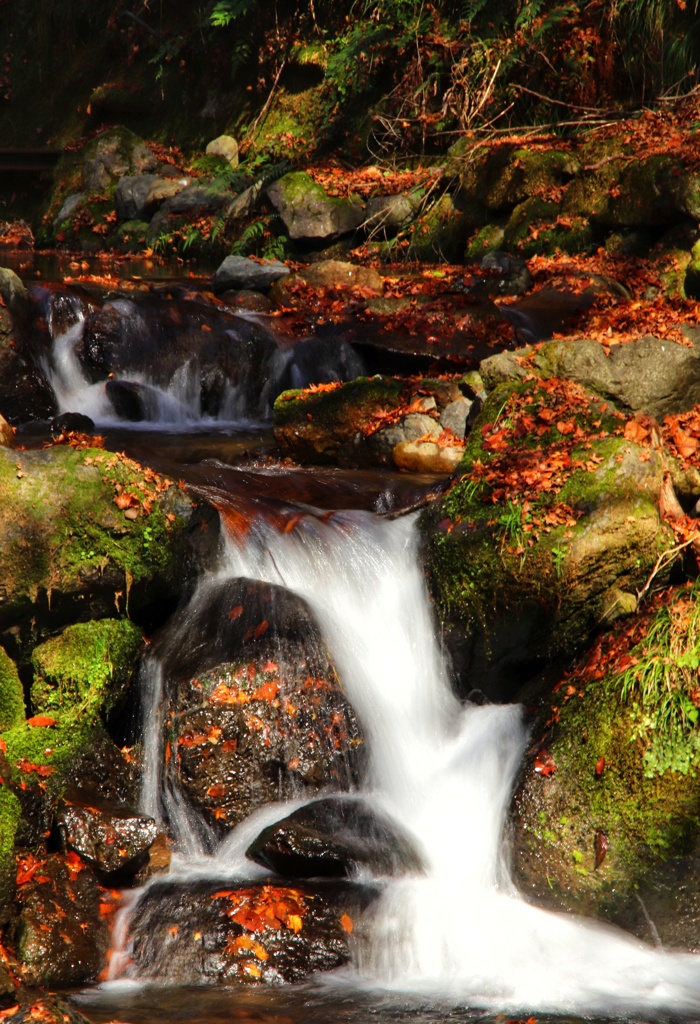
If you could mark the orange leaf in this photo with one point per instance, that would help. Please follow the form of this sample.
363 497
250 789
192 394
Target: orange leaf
346 923
294 922
236 612
216 791
41 721
600 766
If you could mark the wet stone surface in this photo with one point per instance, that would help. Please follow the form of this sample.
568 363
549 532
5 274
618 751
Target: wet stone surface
114 840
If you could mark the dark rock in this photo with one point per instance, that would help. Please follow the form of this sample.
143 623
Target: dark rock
385 216
25 392
71 422
508 275
319 361
258 711
131 196
240 272
539 315
130 400
197 199
333 838
232 932
61 937
113 839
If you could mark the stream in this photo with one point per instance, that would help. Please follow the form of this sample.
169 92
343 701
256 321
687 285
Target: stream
452 940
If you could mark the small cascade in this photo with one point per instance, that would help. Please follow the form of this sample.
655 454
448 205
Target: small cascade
175 361
444 773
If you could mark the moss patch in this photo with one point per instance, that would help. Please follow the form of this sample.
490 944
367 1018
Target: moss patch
10 812
11 693
85 665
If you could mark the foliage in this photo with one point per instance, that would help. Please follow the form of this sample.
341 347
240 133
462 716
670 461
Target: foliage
661 684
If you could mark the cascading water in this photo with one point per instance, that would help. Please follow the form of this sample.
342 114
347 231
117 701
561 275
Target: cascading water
445 773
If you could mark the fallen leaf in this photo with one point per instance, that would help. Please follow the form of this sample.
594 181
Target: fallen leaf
41 721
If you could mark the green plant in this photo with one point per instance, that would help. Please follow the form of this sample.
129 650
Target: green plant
663 688
511 524
559 553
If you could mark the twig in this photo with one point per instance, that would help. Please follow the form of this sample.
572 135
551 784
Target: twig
251 131
572 106
665 559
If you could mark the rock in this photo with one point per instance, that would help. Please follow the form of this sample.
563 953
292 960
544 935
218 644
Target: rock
454 416
348 424
591 514
539 315
427 457
655 376
309 213
334 838
613 832
11 693
196 199
259 714
66 544
252 301
241 272
112 155
224 146
438 234
508 275
385 216
131 196
45 1007
113 839
319 361
86 665
231 932
502 176
61 937
418 424
10 814
71 422
341 275
24 390
72 203
244 205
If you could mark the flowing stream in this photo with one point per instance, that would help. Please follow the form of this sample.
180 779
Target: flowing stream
445 772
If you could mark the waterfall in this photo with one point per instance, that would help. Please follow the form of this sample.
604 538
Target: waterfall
445 772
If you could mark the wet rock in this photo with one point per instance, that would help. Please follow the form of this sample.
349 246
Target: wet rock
334 838
113 839
112 155
539 315
24 390
309 213
254 302
71 422
45 1007
240 272
228 933
508 275
319 361
131 196
224 146
132 401
258 712
70 205
62 938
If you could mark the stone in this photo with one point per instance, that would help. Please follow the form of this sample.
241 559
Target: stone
244 205
241 272
341 275
136 197
427 457
418 424
224 146
25 392
508 275
309 213
62 938
72 203
233 932
196 199
335 838
247 667
385 216
113 839
455 415
114 154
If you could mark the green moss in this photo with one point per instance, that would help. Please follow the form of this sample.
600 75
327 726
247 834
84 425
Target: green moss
11 693
440 233
10 813
487 239
85 665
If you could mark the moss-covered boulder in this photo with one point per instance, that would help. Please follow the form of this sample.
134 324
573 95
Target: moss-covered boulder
10 812
441 231
347 423
85 666
502 176
606 816
11 693
554 511
85 533
309 212
536 226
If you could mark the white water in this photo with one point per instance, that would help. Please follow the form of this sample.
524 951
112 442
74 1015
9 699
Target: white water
445 772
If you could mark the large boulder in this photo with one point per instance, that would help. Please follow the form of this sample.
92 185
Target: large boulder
309 214
83 532
241 272
258 712
24 390
605 817
231 932
554 510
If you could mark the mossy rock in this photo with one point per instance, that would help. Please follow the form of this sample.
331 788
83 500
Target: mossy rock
85 666
24 390
487 239
12 711
440 233
614 830
501 177
309 213
67 549
521 557
10 812
536 227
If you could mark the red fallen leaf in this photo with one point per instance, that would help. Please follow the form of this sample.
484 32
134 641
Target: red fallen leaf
601 846
3 745
346 923
74 864
260 629
236 612
41 721
27 867
600 766
125 500
544 763
41 769
216 791
223 894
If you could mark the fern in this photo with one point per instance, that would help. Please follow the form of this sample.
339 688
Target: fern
227 11
528 14
251 236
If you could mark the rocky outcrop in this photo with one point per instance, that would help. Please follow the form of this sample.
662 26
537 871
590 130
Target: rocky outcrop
308 213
